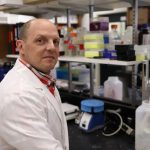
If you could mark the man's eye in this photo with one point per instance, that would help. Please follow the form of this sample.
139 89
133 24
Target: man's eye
40 41
56 42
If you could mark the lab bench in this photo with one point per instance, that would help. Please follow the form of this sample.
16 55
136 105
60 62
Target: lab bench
81 140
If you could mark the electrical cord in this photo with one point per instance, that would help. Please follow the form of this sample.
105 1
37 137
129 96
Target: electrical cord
107 131
120 125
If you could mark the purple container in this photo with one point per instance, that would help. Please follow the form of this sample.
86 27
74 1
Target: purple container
99 26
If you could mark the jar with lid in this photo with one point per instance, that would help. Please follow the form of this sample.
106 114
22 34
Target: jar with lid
72 50
81 50
66 43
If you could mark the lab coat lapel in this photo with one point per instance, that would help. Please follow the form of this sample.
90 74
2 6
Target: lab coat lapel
40 86
54 102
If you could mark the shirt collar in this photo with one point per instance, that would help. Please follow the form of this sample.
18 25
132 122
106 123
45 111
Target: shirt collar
48 80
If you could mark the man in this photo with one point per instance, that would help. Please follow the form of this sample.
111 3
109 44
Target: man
31 117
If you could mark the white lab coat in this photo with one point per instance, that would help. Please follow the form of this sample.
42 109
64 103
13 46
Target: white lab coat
31 118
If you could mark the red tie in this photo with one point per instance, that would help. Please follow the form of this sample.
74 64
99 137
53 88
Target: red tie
51 87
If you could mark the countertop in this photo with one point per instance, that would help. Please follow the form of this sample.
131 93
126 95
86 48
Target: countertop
80 140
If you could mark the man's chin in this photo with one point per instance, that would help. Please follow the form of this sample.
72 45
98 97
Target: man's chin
49 68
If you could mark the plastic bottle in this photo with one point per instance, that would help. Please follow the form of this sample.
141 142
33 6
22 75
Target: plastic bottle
114 37
114 33
113 88
127 37
142 127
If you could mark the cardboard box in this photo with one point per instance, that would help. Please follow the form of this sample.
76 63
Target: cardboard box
143 15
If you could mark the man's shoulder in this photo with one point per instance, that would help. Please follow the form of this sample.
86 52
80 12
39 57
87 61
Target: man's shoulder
15 79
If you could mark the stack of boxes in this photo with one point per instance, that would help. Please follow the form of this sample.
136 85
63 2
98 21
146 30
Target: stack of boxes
94 40
93 44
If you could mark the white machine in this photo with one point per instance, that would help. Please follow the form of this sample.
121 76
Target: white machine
70 111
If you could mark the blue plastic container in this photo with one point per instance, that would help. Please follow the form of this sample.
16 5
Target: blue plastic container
62 73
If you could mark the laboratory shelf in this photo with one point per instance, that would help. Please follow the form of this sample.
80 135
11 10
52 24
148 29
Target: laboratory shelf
88 60
98 61
13 56
92 62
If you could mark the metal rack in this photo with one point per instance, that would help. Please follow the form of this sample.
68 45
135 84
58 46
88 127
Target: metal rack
108 4
92 62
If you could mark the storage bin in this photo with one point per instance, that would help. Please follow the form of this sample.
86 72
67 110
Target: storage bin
62 73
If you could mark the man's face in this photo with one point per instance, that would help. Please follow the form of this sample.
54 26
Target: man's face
41 48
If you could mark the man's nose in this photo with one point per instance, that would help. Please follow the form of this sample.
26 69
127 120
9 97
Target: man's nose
50 45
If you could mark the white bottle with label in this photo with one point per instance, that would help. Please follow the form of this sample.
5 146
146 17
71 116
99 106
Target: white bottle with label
113 88
142 127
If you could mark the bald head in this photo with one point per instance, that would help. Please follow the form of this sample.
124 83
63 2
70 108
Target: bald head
25 28
39 44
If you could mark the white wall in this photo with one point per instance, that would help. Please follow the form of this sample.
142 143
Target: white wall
6 18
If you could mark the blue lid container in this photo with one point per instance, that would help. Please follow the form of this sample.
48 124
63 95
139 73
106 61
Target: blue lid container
92 105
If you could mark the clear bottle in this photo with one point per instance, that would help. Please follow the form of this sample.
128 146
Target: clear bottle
142 126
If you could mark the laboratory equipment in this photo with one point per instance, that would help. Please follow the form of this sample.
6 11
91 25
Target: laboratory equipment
93 115
70 111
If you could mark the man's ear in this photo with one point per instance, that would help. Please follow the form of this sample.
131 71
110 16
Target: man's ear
20 46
